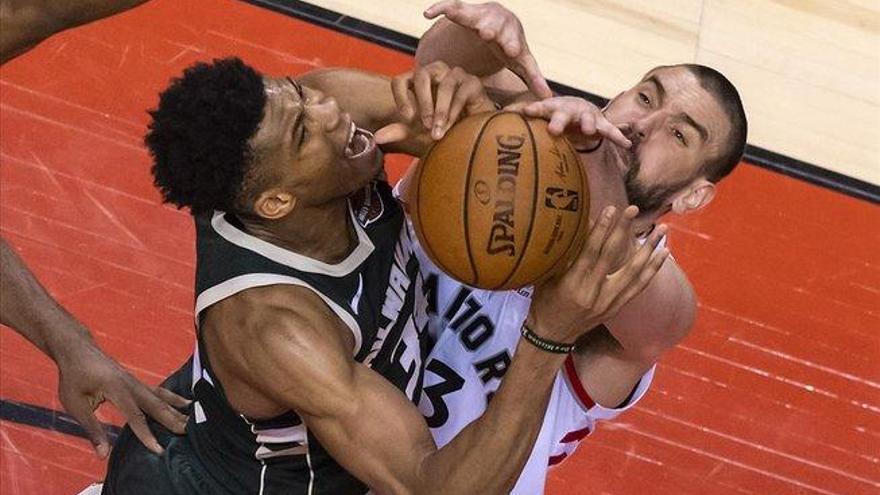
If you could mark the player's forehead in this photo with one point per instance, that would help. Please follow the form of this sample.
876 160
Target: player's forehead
682 93
283 104
674 81
282 89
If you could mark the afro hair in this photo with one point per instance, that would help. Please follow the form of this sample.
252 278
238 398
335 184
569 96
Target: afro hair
199 134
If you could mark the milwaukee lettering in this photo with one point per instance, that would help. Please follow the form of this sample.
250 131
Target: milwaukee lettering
501 238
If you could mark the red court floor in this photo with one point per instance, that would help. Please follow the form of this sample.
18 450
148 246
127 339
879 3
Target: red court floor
776 392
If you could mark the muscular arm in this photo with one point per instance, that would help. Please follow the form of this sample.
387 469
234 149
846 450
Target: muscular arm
297 354
458 46
28 308
658 318
28 22
368 97
365 95
87 375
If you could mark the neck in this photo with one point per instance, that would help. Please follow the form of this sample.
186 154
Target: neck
324 232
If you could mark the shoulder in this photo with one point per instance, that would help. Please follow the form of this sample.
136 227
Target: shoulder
281 318
283 343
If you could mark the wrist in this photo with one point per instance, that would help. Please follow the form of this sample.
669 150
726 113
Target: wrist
65 346
545 344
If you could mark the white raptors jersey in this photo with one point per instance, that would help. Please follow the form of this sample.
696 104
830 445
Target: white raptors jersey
476 333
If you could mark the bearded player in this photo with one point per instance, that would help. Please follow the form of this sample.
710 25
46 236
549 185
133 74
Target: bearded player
667 142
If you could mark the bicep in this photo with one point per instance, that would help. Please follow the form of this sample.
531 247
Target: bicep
366 424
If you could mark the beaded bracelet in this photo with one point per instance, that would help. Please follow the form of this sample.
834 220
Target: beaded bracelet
544 344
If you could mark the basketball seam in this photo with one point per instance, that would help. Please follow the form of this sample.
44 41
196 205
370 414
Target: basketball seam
426 245
537 179
467 186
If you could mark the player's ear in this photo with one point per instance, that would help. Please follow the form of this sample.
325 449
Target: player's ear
694 196
274 203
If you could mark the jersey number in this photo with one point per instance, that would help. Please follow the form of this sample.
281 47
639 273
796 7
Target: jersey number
451 383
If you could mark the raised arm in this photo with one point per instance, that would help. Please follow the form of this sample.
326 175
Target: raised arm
486 40
28 22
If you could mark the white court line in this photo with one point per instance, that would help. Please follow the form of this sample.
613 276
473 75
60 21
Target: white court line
744 319
762 448
135 125
758 371
730 461
810 364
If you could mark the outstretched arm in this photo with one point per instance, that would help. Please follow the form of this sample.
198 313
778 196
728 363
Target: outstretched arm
28 22
88 376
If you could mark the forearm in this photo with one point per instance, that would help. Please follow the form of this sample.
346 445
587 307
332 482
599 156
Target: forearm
488 455
26 307
28 22
368 98
300 357
457 46
393 451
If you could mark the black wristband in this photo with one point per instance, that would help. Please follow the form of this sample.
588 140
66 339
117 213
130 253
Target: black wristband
590 150
544 344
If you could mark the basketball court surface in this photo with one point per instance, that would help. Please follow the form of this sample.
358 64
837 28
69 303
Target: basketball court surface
777 391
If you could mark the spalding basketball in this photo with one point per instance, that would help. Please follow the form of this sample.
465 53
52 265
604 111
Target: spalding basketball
499 203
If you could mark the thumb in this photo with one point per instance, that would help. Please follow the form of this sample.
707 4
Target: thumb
82 412
438 8
391 133
517 107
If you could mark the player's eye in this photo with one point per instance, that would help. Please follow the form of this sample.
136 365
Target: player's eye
644 99
680 137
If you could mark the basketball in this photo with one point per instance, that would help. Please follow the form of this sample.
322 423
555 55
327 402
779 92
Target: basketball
499 203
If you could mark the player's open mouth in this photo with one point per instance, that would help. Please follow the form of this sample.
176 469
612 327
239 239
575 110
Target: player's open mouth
359 143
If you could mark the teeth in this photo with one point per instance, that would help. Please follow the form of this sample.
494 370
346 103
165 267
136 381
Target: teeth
359 142
349 145
351 133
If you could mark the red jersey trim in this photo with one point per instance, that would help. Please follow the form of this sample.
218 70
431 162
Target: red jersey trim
575 382
556 459
575 436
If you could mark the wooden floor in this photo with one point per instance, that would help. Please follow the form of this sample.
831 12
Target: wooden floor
808 70
776 392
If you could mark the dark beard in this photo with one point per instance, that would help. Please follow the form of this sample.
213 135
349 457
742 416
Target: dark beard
651 198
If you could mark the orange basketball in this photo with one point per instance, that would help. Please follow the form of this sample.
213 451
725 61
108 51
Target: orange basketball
499 203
